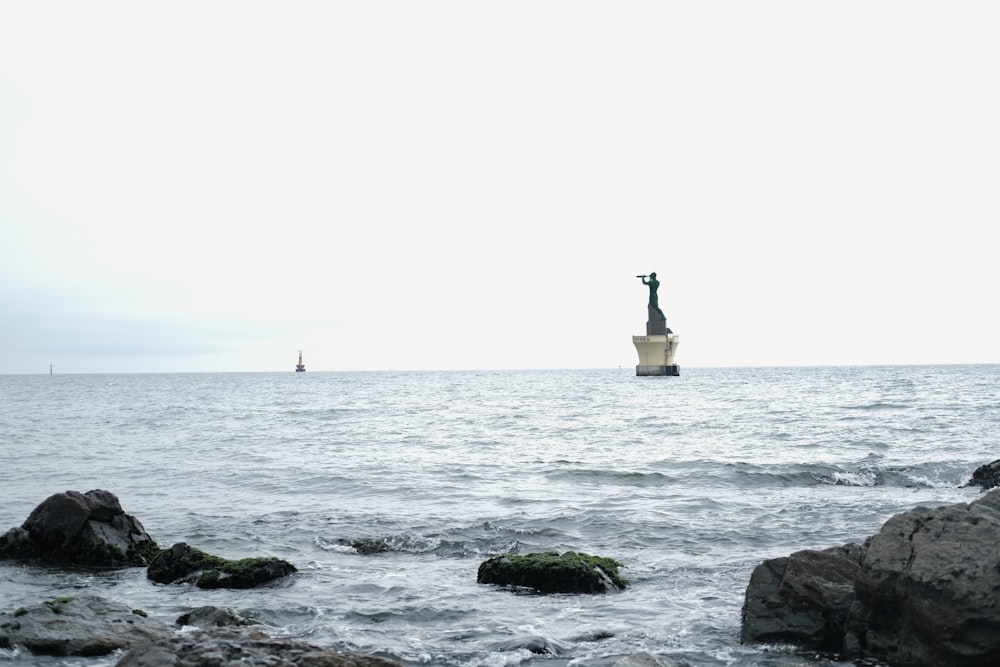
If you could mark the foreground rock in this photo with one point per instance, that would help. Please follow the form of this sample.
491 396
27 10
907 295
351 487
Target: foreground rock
81 626
928 586
185 564
249 648
802 599
76 528
89 626
549 572
925 592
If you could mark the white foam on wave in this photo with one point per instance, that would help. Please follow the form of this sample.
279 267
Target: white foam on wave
337 547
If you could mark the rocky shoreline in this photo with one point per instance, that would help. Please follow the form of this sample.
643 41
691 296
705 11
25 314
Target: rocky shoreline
921 592
92 530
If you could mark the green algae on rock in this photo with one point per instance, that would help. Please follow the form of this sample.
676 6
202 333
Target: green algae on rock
185 564
550 572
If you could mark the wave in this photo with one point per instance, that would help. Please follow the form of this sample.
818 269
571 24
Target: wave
409 542
479 540
868 472
878 405
926 475
615 477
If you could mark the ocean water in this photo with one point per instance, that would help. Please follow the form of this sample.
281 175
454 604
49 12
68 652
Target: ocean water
688 481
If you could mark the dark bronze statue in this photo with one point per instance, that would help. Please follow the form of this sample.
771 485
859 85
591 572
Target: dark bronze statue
654 300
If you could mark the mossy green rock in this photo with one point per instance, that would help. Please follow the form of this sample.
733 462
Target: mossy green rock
185 564
550 572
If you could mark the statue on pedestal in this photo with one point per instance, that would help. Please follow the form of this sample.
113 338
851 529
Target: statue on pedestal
656 349
657 323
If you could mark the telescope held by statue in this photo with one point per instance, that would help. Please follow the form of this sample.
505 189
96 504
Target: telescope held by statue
643 276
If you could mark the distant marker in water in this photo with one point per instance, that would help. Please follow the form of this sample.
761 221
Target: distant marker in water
300 367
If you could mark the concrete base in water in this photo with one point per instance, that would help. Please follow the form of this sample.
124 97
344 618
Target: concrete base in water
656 354
674 369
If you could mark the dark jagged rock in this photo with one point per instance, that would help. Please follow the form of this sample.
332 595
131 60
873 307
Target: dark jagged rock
251 648
987 476
76 528
802 599
81 626
549 572
213 617
925 592
185 564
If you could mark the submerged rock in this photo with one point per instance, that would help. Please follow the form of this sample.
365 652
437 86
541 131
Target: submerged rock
213 617
924 591
230 647
549 572
185 564
536 644
80 626
89 529
367 547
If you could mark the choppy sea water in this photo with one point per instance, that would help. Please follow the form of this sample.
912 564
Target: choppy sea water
688 481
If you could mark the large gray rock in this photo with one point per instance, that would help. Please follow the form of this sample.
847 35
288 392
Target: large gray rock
802 599
923 592
80 529
82 626
928 587
246 648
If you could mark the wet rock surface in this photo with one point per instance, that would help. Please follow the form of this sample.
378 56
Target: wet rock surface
249 648
91 626
79 626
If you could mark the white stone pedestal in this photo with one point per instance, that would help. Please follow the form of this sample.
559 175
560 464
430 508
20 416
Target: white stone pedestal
656 354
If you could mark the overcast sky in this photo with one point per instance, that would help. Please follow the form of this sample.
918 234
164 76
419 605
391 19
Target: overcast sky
212 186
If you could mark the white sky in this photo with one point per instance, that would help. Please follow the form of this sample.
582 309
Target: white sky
212 186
